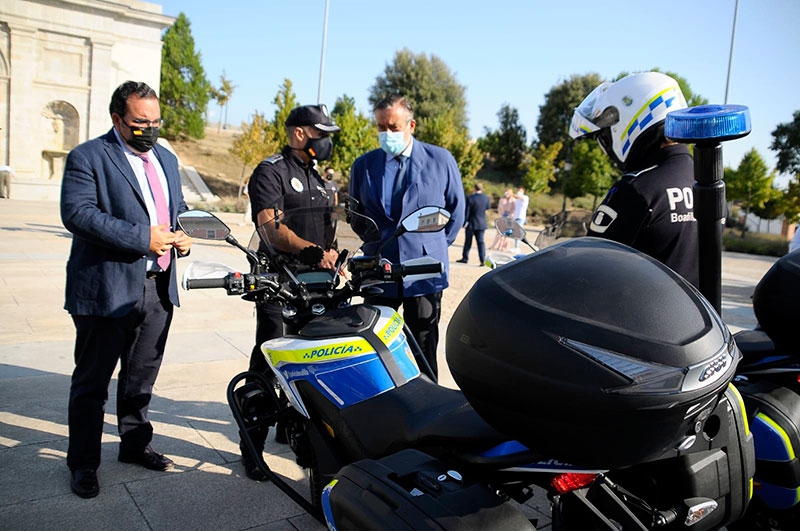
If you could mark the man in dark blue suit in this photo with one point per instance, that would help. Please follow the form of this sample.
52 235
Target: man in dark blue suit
120 198
477 205
392 182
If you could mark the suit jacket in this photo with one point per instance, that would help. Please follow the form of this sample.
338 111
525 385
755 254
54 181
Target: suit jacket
432 179
477 205
103 207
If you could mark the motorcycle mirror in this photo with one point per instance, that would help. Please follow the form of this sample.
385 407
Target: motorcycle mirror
426 219
203 225
510 228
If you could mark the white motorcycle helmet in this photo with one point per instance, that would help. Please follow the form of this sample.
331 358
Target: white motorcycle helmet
620 113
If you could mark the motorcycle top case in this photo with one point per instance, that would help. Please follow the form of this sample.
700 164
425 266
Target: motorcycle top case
348 355
775 301
591 352
410 490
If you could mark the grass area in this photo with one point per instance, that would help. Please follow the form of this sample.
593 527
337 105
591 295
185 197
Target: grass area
754 243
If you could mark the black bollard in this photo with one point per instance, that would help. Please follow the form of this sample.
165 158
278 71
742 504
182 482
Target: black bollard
707 126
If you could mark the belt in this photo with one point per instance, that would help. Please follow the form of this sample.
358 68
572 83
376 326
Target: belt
153 274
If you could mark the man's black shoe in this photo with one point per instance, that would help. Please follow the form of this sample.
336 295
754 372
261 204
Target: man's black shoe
84 482
462 261
149 459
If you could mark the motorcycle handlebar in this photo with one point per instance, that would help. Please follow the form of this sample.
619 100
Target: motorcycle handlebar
421 269
204 283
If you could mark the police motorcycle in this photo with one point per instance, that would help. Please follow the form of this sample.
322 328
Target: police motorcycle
623 413
769 379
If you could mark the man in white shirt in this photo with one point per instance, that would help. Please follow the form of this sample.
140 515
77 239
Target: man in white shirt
520 211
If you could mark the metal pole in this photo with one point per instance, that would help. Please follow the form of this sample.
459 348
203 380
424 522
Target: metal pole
730 57
322 59
709 197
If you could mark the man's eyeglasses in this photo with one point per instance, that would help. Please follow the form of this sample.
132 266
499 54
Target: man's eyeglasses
148 123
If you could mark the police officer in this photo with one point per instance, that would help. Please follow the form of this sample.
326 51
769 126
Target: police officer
651 208
282 183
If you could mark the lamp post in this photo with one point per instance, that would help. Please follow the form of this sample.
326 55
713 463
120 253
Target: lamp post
707 126
322 58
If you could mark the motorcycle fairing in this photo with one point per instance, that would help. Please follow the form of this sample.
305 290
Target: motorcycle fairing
344 367
774 445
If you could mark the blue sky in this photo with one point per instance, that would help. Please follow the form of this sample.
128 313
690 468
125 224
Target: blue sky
504 51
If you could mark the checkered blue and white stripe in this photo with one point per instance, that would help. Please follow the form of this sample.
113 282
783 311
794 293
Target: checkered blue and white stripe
655 109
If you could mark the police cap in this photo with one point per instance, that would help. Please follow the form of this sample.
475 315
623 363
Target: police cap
314 115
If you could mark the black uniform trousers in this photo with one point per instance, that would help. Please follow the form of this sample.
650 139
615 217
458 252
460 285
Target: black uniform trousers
468 234
422 315
269 325
137 340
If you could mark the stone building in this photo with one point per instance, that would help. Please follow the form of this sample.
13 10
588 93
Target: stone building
59 63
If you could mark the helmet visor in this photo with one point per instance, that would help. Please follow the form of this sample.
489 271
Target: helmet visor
594 113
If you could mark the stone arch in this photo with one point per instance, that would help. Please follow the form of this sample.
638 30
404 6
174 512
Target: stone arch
60 134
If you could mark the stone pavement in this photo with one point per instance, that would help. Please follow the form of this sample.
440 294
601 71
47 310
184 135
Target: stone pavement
209 343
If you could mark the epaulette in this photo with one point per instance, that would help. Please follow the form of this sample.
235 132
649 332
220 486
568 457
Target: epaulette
631 176
273 159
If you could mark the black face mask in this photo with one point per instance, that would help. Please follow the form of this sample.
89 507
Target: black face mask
142 138
319 148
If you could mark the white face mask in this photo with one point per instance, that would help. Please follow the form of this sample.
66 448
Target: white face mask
392 142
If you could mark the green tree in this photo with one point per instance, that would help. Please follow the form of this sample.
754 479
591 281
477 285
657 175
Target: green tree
184 87
786 142
555 114
541 169
771 209
427 83
442 131
750 183
285 100
222 95
358 135
255 143
790 201
508 144
592 172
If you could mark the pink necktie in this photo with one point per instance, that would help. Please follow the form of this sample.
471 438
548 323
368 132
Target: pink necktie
162 211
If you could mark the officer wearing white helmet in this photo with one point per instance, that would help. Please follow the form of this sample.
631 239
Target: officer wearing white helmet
651 208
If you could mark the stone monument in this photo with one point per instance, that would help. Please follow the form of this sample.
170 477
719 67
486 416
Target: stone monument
59 64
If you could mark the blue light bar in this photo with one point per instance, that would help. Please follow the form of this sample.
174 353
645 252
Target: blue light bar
708 123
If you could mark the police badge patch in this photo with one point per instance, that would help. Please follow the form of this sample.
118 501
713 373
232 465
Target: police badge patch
297 186
603 219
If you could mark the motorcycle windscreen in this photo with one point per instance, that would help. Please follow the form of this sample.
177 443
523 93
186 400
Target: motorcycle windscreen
328 227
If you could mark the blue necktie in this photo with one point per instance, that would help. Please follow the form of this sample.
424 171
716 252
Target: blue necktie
398 188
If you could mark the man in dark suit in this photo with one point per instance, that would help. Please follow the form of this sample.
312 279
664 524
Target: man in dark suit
120 198
477 205
394 181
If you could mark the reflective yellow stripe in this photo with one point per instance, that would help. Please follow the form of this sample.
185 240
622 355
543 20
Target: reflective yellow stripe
329 352
644 107
742 408
787 442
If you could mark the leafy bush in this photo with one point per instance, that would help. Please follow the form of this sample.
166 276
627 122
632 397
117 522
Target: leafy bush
754 243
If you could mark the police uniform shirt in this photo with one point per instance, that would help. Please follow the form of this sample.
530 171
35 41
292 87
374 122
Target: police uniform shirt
652 210
284 181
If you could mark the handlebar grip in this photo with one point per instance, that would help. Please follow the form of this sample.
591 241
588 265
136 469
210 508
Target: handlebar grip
422 269
203 283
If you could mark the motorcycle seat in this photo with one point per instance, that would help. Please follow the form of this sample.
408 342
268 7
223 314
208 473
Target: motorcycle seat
419 414
756 345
